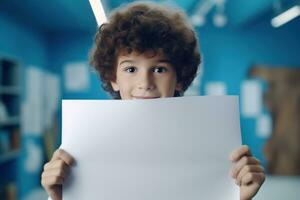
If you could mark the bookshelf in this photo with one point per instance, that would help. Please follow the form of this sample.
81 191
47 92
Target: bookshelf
10 103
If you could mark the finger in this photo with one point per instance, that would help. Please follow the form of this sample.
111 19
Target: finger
62 154
250 178
55 172
60 164
241 163
52 180
248 169
240 152
48 177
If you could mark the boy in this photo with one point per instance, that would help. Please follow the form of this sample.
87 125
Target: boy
148 51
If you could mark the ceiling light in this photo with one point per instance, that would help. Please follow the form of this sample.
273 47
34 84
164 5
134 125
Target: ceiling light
220 20
98 11
286 16
198 20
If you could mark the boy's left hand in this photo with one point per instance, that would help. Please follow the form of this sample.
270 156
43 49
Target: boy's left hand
247 172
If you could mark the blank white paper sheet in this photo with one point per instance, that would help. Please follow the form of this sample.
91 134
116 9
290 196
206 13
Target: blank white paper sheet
157 149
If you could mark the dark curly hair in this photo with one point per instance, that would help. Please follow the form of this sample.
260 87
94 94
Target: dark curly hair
141 27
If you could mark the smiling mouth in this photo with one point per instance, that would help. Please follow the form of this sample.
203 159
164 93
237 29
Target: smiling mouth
141 97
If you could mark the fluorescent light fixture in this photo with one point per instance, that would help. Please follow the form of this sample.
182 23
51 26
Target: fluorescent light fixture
205 7
286 16
98 11
219 20
198 20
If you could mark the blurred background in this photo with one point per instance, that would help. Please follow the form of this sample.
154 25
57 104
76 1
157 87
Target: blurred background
249 48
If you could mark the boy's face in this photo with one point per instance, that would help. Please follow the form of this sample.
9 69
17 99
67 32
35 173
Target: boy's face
144 76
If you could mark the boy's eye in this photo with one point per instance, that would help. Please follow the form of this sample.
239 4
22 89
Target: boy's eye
160 69
130 69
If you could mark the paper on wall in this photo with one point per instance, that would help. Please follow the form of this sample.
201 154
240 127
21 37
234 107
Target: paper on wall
264 126
77 77
251 96
41 102
52 96
32 107
215 88
33 160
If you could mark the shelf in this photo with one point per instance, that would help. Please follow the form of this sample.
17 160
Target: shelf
9 156
10 121
10 74
10 125
11 90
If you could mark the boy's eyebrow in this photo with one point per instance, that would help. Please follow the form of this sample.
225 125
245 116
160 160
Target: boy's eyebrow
132 61
164 61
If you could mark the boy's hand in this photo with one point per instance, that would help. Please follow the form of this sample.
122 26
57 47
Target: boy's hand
247 172
55 172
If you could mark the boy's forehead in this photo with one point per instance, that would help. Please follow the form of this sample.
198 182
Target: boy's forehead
148 54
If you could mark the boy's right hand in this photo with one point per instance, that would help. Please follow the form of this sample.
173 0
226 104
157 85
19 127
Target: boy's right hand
55 173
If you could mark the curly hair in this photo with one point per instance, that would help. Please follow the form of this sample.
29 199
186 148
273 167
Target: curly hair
142 27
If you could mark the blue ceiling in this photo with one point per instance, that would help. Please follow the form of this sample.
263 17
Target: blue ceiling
76 15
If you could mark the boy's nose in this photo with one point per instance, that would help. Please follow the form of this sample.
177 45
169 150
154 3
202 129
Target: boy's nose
146 82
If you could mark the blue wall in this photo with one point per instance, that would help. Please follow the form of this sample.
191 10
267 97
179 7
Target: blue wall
230 52
22 42
74 47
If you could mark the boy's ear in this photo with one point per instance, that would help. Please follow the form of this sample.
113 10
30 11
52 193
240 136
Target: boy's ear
115 86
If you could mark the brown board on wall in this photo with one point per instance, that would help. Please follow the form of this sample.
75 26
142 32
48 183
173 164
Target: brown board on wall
282 98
